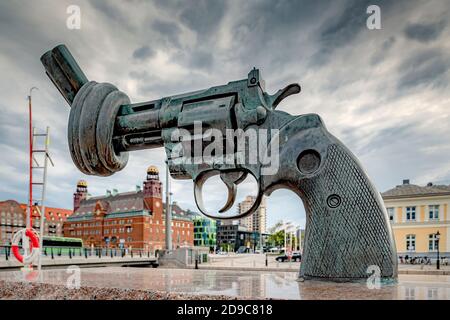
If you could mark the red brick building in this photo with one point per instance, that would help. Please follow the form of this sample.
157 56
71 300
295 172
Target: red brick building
131 219
13 217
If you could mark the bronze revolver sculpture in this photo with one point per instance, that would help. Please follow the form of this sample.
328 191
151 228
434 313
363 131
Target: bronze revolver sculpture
347 227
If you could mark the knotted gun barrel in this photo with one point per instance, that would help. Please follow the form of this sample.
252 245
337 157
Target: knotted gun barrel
103 125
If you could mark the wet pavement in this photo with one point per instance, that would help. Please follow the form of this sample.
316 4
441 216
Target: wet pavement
203 284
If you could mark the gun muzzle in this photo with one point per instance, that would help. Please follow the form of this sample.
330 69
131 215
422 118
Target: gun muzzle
64 72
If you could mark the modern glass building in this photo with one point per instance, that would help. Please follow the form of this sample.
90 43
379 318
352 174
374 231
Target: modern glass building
204 232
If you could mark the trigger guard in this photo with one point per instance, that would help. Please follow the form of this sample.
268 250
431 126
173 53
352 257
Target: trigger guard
198 197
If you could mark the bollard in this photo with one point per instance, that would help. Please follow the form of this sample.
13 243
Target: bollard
267 261
7 253
196 263
111 253
132 253
70 253
51 252
85 253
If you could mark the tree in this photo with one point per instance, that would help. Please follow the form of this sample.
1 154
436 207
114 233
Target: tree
277 238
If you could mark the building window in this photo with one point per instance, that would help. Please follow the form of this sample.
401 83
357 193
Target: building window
432 293
432 242
411 242
390 212
410 293
433 212
410 213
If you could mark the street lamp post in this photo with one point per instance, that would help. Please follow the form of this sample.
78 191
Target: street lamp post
438 264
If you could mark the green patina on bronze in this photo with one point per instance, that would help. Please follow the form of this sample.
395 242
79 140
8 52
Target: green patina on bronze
348 235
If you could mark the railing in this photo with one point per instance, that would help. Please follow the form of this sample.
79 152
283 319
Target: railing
79 252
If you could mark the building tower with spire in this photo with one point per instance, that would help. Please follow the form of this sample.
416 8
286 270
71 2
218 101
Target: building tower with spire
80 194
152 190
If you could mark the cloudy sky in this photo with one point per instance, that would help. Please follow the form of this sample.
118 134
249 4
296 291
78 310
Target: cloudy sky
384 93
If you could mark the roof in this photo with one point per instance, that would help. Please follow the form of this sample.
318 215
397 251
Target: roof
413 190
126 202
51 213
120 202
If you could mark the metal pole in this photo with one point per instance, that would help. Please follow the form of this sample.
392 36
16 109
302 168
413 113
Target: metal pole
30 187
438 263
29 224
290 240
260 241
168 212
41 227
300 240
295 240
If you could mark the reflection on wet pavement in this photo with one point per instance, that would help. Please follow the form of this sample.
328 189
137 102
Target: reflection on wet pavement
246 284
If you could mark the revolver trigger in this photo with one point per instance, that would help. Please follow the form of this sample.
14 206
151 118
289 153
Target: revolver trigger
231 197
231 179
198 187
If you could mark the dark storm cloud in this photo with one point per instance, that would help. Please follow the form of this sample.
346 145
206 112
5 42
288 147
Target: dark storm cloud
201 60
425 32
150 84
382 53
344 27
427 67
169 30
201 16
143 53
383 137
110 10
197 59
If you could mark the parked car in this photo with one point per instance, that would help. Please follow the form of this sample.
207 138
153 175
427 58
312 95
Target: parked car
296 257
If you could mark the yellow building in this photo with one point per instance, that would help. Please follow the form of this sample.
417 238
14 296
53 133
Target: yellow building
417 214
